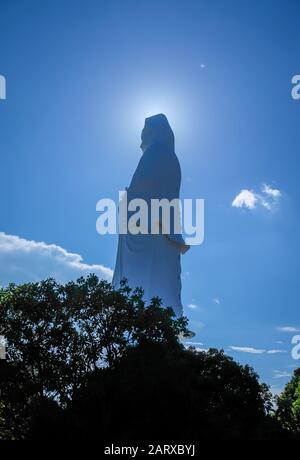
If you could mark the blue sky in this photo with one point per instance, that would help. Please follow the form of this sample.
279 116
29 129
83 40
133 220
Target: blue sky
81 77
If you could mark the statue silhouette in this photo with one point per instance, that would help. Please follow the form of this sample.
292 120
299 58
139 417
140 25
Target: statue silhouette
153 261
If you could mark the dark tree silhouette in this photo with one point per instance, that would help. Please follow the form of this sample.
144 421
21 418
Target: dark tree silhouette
161 392
87 362
57 334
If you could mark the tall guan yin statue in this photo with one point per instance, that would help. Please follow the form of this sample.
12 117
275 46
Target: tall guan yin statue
153 261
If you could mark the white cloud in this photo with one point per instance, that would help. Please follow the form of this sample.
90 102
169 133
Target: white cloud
291 329
192 306
272 192
275 352
264 203
196 345
251 350
249 199
23 261
255 351
245 199
281 374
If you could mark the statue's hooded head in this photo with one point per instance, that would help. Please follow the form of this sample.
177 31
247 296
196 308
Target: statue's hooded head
157 131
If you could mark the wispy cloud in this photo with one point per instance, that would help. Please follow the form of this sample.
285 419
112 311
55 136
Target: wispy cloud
288 329
249 199
271 192
281 374
255 351
275 352
193 306
24 260
197 346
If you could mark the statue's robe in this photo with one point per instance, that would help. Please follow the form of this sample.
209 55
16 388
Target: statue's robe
152 261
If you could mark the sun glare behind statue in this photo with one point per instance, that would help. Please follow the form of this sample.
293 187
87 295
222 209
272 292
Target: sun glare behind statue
172 111
147 105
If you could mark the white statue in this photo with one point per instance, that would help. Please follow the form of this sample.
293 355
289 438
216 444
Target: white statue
152 261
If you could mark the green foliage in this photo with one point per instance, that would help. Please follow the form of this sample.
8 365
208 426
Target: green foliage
288 411
85 361
57 334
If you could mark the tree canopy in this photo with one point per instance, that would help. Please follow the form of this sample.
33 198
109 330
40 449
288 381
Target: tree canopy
288 410
87 362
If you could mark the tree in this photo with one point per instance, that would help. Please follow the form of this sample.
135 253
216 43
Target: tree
160 392
57 334
87 362
288 410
